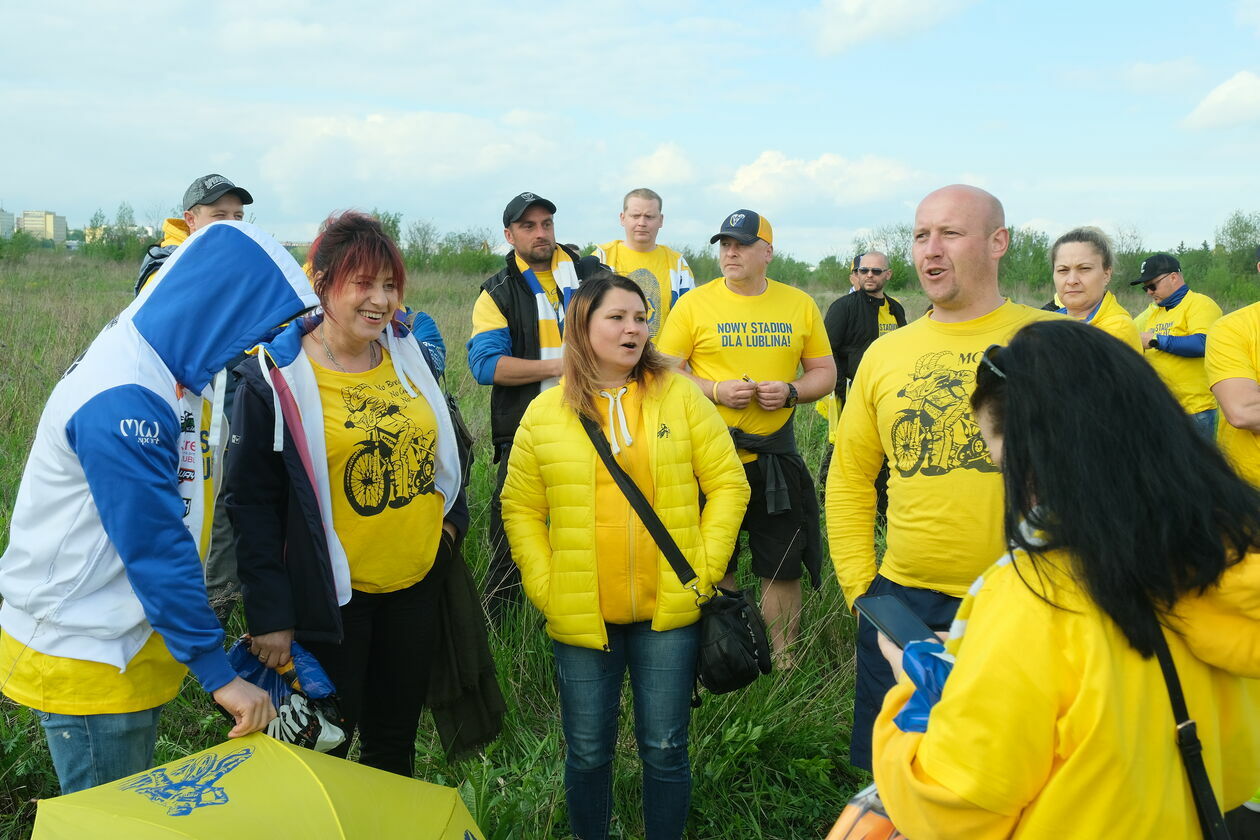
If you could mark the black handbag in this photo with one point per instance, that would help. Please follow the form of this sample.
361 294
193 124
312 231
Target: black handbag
734 646
1211 821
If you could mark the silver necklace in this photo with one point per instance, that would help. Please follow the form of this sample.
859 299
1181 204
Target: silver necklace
328 351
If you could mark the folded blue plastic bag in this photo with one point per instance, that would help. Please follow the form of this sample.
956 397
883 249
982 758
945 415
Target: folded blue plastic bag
927 665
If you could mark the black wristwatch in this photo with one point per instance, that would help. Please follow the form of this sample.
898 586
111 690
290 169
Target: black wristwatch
790 402
1153 343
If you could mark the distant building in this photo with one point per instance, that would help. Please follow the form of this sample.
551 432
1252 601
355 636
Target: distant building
43 224
6 224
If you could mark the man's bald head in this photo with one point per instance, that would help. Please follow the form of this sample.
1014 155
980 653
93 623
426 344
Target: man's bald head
959 236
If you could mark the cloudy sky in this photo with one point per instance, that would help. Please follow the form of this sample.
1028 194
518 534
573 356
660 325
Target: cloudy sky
829 117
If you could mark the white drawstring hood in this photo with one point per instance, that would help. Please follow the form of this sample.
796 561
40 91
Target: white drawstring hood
614 401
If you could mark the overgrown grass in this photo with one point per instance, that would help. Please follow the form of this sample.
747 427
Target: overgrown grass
769 761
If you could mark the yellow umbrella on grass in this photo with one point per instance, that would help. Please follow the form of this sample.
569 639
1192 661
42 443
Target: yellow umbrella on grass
259 787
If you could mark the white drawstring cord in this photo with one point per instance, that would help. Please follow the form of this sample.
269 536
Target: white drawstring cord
615 400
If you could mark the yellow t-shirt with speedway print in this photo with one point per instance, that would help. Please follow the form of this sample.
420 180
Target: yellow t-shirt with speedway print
1233 352
382 446
653 272
723 335
911 400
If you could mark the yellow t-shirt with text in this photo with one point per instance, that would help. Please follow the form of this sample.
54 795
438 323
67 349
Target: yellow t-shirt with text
885 321
1233 352
722 335
1184 375
911 402
382 467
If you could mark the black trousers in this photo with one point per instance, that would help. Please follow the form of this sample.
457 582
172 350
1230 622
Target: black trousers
381 668
503 578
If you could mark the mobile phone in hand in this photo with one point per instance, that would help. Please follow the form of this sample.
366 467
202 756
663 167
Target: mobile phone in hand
894 619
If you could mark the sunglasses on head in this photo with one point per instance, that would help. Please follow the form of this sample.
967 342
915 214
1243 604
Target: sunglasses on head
875 272
988 361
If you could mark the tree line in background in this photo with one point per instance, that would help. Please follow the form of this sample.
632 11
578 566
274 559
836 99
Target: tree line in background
1224 270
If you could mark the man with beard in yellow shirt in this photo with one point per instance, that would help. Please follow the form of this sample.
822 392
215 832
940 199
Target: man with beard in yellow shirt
661 272
909 402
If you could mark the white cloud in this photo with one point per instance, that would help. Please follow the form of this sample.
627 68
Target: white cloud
841 24
774 179
1232 103
667 166
1249 13
1162 76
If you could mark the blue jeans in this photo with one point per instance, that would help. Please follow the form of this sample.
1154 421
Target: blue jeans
1205 423
91 750
662 672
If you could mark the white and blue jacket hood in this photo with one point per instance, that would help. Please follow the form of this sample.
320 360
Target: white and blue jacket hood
103 542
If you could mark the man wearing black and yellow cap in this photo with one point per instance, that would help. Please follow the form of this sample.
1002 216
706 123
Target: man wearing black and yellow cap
210 198
517 328
1174 334
744 337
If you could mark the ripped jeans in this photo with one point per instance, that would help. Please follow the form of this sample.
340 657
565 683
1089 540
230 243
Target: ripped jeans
662 672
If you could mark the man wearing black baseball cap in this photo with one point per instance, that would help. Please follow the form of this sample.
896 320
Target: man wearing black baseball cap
1174 334
743 337
517 326
207 199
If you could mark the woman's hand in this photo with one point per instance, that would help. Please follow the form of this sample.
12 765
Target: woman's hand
894 654
450 529
248 704
273 649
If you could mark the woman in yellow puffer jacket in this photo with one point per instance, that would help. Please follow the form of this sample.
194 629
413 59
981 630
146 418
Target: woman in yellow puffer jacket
611 599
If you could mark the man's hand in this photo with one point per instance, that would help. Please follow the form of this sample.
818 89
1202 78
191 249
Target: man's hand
735 393
273 649
248 704
1146 338
772 394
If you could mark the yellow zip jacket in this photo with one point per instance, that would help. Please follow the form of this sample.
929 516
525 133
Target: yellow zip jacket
1114 320
549 516
1050 725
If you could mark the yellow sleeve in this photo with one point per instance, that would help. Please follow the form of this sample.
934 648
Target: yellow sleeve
525 514
486 315
817 344
918 804
721 477
1128 333
855 464
675 338
1227 355
990 741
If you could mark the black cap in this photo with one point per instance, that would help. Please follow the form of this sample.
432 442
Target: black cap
519 204
210 188
1155 265
744 226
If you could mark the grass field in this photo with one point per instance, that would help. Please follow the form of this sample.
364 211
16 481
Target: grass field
768 762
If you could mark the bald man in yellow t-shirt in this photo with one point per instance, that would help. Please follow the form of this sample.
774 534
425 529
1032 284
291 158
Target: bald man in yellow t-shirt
743 338
910 403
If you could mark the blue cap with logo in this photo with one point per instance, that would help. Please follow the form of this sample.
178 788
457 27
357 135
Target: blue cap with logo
745 226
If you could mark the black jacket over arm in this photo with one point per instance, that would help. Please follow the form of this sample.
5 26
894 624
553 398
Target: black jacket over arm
852 323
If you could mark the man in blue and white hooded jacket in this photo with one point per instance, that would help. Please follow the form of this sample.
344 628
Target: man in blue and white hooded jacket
103 546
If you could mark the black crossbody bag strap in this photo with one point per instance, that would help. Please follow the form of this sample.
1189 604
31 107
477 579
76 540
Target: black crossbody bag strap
639 502
1210 818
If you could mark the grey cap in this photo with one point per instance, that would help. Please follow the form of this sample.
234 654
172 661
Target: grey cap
210 188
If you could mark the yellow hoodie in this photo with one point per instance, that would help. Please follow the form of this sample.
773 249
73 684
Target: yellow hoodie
1051 725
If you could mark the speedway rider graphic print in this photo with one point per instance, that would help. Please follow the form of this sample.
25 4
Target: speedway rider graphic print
935 432
393 462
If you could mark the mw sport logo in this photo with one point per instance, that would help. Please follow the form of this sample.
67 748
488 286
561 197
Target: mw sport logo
144 431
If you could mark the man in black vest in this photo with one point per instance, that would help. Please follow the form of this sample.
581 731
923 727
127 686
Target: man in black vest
518 321
853 321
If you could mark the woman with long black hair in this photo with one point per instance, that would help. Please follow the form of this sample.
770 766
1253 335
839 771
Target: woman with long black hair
1128 530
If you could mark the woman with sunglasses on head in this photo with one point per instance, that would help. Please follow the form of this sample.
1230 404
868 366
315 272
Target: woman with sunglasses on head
611 599
344 489
1055 720
1081 260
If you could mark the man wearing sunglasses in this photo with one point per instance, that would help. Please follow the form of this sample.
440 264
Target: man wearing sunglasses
1174 334
853 321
